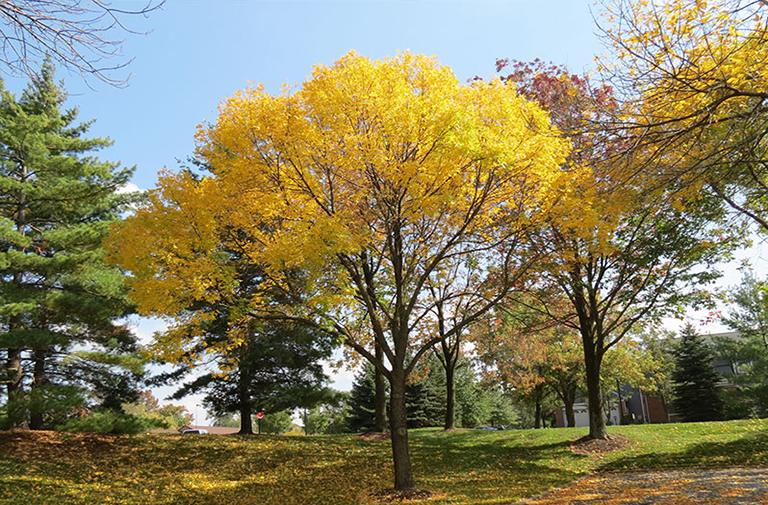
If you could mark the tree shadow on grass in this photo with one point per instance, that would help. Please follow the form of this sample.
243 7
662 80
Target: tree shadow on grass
467 467
285 470
749 450
509 465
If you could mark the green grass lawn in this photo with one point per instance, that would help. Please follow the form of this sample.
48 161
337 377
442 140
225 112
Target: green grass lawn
465 467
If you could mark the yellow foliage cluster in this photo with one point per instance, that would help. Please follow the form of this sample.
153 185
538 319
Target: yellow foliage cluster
699 70
171 247
595 207
391 157
363 143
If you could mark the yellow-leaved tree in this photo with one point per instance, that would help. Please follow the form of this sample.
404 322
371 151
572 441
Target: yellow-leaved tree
354 193
695 73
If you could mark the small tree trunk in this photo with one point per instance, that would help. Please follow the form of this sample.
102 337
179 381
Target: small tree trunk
38 381
398 425
570 415
665 404
450 404
15 406
597 429
246 407
537 413
380 400
15 402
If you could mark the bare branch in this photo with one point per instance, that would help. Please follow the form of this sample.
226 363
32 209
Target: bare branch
80 35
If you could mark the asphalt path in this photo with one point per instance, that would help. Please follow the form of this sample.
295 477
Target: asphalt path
714 486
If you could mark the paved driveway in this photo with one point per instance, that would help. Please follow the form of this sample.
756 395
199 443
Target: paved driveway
720 486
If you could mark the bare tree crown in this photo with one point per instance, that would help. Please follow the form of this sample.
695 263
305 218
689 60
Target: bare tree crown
82 36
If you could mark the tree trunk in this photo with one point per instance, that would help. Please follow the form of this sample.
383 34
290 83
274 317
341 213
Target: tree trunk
246 421
380 400
597 428
570 415
450 404
15 406
38 381
537 413
398 426
246 407
620 403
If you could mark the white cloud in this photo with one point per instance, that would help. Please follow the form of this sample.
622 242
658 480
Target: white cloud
128 187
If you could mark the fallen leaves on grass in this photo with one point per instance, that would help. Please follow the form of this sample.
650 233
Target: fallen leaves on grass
467 467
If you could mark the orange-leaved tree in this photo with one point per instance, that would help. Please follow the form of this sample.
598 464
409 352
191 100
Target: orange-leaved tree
352 193
532 355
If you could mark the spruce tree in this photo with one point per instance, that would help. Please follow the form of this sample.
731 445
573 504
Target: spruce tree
58 299
472 405
695 380
362 401
278 367
260 365
425 395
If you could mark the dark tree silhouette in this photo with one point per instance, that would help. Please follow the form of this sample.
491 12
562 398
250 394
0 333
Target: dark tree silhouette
695 379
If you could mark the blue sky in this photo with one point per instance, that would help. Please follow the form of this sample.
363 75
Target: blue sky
200 52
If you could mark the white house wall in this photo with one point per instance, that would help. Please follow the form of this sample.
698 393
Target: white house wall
581 415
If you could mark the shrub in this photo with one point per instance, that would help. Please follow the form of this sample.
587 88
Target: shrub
109 421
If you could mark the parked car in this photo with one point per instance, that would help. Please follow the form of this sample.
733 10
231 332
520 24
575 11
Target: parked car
195 432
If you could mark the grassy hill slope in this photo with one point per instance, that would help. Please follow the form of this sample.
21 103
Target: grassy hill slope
465 467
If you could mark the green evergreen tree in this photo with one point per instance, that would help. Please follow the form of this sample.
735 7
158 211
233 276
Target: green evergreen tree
502 410
426 396
279 367
57 203
362 401
697 394
472 405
